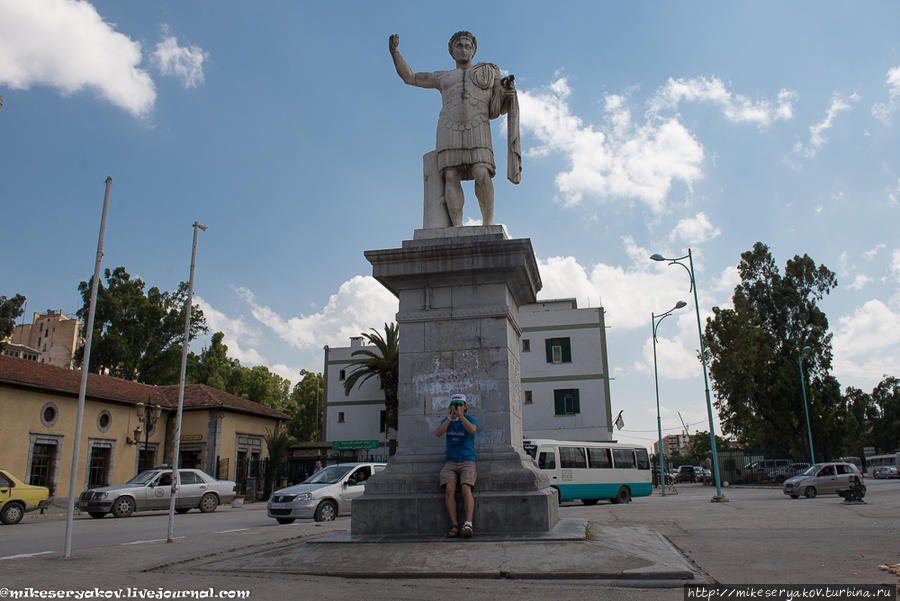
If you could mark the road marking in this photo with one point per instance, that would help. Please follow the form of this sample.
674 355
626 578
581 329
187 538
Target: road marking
25 555
235 530
150 540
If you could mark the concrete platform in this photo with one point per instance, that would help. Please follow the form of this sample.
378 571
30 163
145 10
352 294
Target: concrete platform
610 553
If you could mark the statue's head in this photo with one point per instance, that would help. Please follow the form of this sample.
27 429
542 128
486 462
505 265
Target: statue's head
462 35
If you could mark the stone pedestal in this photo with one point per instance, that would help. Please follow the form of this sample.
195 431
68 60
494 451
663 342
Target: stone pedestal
460 290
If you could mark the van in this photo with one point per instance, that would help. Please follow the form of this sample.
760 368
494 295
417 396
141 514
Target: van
591 471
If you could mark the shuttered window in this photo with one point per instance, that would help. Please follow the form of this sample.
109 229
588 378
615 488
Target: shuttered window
559 350
566 402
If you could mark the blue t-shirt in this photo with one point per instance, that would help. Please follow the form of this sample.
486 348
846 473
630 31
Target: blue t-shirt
460 444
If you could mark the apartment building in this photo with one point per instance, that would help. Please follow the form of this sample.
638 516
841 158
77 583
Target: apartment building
51 336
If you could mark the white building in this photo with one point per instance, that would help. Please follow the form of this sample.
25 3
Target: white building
565 375
359 415
564 371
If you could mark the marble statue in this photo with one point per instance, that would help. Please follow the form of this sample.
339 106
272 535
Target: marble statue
472 95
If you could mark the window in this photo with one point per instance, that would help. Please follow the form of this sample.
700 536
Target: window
41 464
624 459
146 458
643 460
547 460
189 477
566 402
383 419
49 414
572 457
104 420
828 470
529 398
559 350
5 482
600 458
340 417
98 467
343 375
526 345
844 469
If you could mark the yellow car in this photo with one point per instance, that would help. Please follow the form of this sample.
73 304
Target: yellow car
16 498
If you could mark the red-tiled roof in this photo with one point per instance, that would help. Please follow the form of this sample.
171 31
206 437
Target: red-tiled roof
201 396
31 374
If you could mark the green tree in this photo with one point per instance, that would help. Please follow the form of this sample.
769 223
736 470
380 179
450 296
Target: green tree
278 445
305 407
383 363
214 368
699 452
754 350
10 310
885 423
137 335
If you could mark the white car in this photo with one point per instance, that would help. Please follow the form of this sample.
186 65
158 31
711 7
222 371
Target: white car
323 496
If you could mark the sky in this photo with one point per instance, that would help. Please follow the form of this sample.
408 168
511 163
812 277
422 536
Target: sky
647 127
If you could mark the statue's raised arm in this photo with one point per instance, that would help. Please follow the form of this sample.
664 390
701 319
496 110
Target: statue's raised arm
422 80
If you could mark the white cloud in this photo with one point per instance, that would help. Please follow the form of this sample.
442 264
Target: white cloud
67 45
735 107
895 264
859 282
870 254
867 344
676 355
694 230
619 158
882 111
236 331
360 304
817 137
894 195
629 294
183 62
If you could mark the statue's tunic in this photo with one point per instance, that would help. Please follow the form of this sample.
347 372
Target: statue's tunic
471 98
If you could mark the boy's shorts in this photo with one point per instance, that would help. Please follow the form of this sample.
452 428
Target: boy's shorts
464 471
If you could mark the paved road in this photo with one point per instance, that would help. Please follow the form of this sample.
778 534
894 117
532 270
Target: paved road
759 537
47 534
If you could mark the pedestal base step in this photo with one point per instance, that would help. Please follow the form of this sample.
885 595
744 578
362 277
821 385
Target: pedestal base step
532 512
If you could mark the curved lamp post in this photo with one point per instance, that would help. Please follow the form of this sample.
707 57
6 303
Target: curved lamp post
654 322
712 432
812 458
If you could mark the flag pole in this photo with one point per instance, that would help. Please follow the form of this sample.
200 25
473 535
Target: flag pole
85 366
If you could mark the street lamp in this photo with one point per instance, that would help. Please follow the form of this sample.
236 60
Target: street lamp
654 322
149 415
712 432
812 458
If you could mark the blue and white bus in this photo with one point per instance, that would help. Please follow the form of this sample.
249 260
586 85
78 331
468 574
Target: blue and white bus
591 471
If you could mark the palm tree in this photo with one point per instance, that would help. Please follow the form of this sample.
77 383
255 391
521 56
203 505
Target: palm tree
278 444
385 363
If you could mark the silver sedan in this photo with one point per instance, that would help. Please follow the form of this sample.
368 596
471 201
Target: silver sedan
152 489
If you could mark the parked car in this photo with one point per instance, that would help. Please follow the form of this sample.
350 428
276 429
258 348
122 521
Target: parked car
152 489
767 469
323 496
18 498
687 473
886 471
794 469
823 478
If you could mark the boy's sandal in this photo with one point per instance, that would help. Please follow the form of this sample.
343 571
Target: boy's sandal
467 530
454 532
